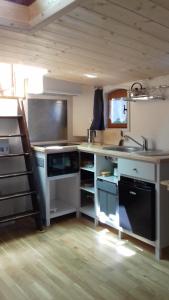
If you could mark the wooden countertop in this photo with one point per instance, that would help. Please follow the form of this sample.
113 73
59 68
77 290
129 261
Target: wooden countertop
98 149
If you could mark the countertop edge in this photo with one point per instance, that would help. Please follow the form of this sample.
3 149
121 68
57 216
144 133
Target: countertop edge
98 149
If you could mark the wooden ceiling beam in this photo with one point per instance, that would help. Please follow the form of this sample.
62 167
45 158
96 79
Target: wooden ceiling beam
13 15
40 13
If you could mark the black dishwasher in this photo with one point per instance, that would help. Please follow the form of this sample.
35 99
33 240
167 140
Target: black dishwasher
137 207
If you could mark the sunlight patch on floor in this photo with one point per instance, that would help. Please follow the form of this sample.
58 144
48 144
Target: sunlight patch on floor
105 238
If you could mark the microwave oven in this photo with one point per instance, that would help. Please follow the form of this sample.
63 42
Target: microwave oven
62 163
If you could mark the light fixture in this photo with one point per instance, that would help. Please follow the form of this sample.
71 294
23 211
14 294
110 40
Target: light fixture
91 75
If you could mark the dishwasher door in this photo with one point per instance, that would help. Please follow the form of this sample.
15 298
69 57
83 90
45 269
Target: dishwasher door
137 207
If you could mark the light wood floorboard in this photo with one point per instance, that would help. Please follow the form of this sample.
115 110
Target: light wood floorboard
74 260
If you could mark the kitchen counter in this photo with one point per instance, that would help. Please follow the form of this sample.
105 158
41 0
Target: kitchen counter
53 147
98 149
153 169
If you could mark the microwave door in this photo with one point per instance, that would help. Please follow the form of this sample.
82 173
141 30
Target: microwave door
55 164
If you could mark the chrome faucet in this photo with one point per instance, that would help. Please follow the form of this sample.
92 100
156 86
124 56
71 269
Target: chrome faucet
144 145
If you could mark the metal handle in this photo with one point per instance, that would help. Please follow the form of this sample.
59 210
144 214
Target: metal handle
138 83
132 193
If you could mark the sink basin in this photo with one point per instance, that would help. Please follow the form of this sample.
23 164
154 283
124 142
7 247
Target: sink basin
123 148
137 150
152 152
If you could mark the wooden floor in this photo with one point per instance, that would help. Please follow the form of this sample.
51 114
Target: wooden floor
73 260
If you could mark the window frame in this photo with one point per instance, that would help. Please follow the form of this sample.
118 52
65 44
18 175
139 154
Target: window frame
117 95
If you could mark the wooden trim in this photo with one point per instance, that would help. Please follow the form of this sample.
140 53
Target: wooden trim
115 125
119 93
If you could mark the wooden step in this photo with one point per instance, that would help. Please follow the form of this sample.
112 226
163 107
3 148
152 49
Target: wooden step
17 174
14 154
11 117
11 135
17 195
18 216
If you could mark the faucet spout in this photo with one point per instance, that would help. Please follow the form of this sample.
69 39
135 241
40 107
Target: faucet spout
144 145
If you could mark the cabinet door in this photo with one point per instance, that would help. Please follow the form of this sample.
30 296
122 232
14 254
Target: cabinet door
103 201
137 210
111 204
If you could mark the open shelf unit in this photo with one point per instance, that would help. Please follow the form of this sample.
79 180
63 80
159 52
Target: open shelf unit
107 191
88 189
113 179
91 168
87 184
88 210
62 208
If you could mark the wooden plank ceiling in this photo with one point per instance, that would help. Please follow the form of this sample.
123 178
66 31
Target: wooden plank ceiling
119 40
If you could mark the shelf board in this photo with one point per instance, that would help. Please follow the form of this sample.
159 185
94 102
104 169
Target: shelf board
112 179
63 208
88 189
57 177
88 169
88 210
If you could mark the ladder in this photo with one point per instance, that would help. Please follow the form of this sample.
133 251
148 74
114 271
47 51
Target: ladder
35 211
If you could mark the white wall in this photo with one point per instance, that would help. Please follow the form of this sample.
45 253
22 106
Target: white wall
150 119
83 111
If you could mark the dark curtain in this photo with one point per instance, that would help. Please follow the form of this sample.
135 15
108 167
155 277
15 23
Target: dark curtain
98 111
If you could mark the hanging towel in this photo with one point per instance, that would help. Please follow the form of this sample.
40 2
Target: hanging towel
98 111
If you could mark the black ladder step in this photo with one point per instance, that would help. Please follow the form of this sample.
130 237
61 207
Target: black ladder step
14 154
18 216
11 135
17 195
11 117
16 174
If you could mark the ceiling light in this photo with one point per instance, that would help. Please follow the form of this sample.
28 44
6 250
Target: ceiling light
90 75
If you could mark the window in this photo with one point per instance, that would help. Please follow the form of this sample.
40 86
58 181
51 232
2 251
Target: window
14 79
5 79
117 110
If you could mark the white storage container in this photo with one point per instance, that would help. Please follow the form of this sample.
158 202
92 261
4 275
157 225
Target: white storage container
4 146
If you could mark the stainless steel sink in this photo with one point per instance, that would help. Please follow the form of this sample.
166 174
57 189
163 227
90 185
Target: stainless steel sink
122 148
152 152
137 150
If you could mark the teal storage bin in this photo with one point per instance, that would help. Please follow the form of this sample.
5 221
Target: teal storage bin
107 196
